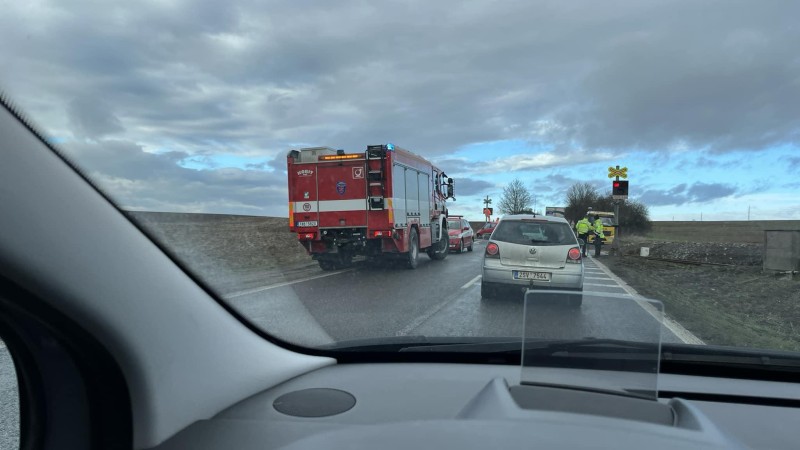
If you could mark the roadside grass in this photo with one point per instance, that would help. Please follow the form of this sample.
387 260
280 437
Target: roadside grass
738 306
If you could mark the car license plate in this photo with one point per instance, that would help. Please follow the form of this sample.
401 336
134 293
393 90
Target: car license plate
310 223
537 276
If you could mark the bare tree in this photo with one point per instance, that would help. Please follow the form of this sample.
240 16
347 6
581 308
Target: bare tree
516 199
580 197
634 216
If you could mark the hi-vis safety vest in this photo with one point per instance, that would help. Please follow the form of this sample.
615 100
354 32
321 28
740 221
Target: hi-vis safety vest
598 228
583 225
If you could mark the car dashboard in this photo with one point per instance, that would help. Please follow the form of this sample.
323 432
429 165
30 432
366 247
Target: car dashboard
435 405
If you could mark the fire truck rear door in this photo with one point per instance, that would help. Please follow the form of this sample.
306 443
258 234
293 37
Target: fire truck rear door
342 194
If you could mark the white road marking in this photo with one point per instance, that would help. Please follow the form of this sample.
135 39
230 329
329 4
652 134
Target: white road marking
471 282
677 329
273 286
419 320
597 278
603 285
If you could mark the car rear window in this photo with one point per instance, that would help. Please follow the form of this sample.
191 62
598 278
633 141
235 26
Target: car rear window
534 233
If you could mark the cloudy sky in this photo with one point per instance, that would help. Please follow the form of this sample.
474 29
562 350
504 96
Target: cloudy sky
192 106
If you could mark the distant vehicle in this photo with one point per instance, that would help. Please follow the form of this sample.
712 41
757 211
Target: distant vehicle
527 251
555 211
486 230
383 202
609 229
461 234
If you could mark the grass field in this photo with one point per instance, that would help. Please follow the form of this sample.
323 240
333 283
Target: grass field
228 249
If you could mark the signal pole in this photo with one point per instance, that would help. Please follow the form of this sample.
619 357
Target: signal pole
619 192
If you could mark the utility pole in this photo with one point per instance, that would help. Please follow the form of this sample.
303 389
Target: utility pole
748 212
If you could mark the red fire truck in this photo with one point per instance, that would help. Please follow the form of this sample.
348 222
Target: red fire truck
384 202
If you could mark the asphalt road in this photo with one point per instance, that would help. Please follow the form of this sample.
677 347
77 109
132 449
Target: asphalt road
439 298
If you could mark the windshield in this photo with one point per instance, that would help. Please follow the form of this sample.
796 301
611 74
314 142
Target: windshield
305 160
528 232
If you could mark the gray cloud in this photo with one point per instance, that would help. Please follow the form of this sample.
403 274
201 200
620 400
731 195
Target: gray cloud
258 78
92 117
469 186
681 194
137 179
703 192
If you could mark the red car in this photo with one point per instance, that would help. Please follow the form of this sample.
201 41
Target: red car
486 231
460 234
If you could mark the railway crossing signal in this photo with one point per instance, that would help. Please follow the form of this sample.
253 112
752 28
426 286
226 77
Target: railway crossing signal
619 187
487 211
617 172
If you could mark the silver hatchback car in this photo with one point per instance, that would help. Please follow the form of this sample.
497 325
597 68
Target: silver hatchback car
533 252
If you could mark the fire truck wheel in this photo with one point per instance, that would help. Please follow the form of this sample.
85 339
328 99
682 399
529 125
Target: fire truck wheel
413 249
440 250
344 260
326 264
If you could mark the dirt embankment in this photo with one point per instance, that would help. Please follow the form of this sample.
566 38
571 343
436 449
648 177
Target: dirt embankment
231 252
736 253
742 231
736 305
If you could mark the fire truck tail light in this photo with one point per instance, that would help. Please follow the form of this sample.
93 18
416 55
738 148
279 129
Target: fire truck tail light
306 236
382 233
574 255
492 250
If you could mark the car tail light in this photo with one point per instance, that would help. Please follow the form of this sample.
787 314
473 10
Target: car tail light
574 255
492 250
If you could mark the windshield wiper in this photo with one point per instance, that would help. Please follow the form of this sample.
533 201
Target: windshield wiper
670 353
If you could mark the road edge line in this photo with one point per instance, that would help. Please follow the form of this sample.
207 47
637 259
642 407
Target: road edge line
286 283
676 328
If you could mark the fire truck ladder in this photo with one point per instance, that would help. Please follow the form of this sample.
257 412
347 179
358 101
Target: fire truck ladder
376 162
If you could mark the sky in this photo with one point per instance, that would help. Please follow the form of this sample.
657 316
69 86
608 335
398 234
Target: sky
192 106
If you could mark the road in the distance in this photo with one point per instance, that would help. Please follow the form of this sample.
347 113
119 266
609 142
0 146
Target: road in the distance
439 298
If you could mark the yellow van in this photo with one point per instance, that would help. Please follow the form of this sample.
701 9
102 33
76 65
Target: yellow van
609 229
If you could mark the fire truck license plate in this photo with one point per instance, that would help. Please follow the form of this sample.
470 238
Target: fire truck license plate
538 276
310 223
